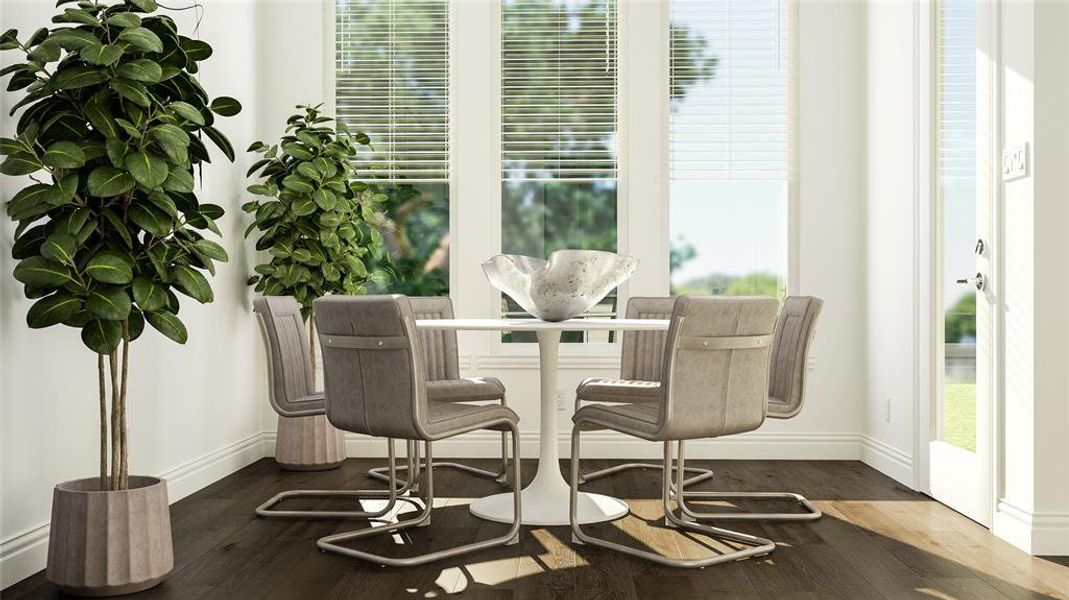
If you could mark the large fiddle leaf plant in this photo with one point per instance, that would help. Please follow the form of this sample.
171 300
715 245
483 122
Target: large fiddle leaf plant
321 228
110 229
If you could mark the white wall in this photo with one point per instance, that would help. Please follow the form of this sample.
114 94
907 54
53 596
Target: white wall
195 410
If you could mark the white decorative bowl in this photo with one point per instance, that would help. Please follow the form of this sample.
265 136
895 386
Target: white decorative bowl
563 287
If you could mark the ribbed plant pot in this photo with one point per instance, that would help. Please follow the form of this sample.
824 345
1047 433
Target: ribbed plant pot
107 543
309 444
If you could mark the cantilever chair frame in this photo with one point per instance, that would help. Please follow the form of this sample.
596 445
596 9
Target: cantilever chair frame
810 511
633 312
757 546
412 448
332 543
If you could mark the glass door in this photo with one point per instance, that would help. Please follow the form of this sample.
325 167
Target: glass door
960 469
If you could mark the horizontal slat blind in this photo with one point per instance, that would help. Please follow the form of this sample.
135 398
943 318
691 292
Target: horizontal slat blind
736 124
957 89
392 62
558 90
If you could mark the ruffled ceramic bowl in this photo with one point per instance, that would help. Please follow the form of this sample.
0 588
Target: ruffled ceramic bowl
565 286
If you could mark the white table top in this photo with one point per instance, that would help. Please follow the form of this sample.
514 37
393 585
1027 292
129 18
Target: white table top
538 325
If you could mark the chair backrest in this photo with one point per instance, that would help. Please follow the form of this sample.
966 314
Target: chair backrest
790 353
440 357
372 365
642 352
289 364
715 375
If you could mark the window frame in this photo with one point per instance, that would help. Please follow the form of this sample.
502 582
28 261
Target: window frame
475 168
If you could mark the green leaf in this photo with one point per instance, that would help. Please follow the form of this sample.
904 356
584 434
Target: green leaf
193 284
132 91
10 146
187 111
73 39
142 38
163 202
45 53
296 151
76 15
40 272
124 20
167 324
52 310
102 337
148 169
76 77
196 50
303 206
221 141
130 129
108 182
120 227
108 303
63 190
29 202
297 184
325 199
20 163
149 296
179 180
169 137
225 106
64 155
100 116
102 54
309 171
212 250
145 5
60 247
110 267
151 219
141 69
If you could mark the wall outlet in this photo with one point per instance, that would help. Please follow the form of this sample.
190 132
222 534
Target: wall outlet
887 409
562 395
1014 162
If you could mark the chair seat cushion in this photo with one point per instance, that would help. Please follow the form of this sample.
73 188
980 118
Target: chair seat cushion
618 390
465 389
446 419
640 419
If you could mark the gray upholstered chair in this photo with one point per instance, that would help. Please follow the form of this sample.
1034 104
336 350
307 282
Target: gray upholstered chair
442 368
293 395
714 382
786 394
376 384
641 354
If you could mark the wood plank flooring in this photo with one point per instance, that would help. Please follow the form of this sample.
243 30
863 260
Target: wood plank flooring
877 540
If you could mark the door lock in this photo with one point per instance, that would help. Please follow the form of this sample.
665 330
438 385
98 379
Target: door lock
978 280
981 247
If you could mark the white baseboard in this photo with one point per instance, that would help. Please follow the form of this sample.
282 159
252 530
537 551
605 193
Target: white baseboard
602 444
887 459
26 552
1039 534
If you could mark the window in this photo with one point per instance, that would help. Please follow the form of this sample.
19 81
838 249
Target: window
558 131
730 146
392 83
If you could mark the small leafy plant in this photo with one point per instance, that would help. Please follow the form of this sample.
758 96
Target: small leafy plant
111 228
321 228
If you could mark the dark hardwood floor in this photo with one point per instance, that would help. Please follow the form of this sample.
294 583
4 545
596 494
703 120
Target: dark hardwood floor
876 540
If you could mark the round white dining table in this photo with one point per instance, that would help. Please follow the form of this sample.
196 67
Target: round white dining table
545 500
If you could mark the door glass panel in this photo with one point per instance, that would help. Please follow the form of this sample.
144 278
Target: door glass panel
958 192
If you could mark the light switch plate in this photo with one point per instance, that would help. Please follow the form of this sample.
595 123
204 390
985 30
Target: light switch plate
1015 162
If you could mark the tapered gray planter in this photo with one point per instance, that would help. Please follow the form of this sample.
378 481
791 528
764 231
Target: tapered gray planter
309 444
105 543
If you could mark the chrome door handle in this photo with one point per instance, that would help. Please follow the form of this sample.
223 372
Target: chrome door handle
977 280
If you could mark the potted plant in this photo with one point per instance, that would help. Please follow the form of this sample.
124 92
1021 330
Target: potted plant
322 231
108 232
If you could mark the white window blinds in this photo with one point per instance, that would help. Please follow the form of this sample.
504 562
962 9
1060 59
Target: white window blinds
558 90
392 83
731 115
957 89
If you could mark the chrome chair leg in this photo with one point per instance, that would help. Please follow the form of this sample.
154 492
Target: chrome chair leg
500 477
393 495
812 513
331 543
758 546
